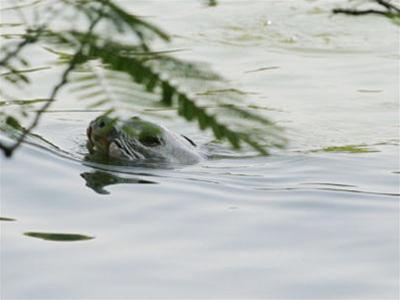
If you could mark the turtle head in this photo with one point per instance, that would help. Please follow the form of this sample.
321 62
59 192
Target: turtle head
100 133
136 139
133 138
146 133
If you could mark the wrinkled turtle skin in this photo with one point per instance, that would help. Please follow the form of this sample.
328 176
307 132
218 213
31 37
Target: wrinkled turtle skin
135 139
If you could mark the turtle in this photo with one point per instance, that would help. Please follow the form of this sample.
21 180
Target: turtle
136 139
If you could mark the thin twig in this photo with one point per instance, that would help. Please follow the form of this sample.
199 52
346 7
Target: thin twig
28 40
388 5
355 12
8 151
391 10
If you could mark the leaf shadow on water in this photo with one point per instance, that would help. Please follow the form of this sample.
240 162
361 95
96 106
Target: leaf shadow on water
7 219
97 180
58 237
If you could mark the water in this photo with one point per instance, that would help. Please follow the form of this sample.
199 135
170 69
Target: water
302 223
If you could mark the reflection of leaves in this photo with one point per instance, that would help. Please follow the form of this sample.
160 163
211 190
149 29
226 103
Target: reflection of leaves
211 2
348 149
98 180
7 219
58 237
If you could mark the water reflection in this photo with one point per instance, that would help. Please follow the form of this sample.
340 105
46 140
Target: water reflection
7 219
98 180
58 237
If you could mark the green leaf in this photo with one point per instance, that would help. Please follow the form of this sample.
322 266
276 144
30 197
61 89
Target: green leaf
58 237
167 93
13 122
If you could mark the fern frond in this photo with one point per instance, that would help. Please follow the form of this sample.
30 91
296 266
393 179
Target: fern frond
100 87
164 77
119 19
115 76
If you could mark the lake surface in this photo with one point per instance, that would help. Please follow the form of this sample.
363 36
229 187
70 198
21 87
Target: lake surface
311 221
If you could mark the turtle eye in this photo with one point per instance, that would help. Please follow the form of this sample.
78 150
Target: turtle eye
150 141
102 124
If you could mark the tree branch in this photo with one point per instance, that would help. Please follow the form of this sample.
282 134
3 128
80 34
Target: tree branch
76 59
388 5
355 12
391 10
28 40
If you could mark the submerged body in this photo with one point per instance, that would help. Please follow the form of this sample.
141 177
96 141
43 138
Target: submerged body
136 139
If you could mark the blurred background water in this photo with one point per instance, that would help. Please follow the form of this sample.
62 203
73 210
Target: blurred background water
307 222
